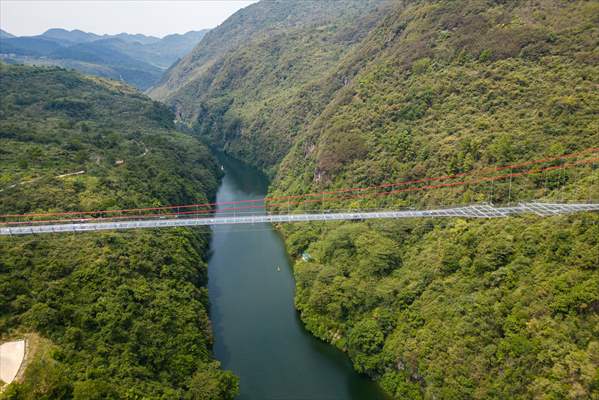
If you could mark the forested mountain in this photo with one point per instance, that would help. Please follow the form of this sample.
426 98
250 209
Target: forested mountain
109 315
359 94
254 64
137 59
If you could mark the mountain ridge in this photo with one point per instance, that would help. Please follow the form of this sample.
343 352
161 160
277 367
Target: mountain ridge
222 60
146 56
256 20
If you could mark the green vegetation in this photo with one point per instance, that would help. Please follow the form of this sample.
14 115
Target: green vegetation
431 309
126 312
458 309
40 369
250 96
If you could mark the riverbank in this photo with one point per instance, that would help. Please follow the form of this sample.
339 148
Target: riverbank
257 331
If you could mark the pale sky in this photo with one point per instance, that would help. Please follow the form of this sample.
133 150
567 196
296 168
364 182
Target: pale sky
150 17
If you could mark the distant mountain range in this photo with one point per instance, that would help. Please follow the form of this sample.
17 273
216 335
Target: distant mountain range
5 35
134 58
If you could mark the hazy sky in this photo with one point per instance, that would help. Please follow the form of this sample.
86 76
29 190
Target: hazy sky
150 17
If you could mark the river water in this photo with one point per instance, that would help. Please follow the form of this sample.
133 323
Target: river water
258 334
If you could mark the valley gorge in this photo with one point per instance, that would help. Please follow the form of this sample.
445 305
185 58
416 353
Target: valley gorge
314 107
448 309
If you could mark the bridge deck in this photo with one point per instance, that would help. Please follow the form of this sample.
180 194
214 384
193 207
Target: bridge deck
472 211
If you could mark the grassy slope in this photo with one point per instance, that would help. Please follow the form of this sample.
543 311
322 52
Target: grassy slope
450 309
126 312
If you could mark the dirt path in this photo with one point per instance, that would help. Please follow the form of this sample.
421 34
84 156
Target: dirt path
38 178
70 174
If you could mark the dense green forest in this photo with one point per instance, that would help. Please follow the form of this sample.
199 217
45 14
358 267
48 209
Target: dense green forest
250 96
445 309
116 314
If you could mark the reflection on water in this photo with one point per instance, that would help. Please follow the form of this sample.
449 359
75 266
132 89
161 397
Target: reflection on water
258 334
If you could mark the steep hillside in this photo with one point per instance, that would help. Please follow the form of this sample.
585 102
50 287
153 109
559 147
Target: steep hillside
126 312
459 309
252 22
166 51
450 309
137 59
260 63
455 86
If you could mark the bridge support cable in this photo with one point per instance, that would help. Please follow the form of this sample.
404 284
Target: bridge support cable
478 177
480 211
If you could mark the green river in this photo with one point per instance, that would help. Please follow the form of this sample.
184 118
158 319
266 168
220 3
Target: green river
258 333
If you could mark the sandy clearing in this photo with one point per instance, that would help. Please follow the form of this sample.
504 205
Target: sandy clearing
11 357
